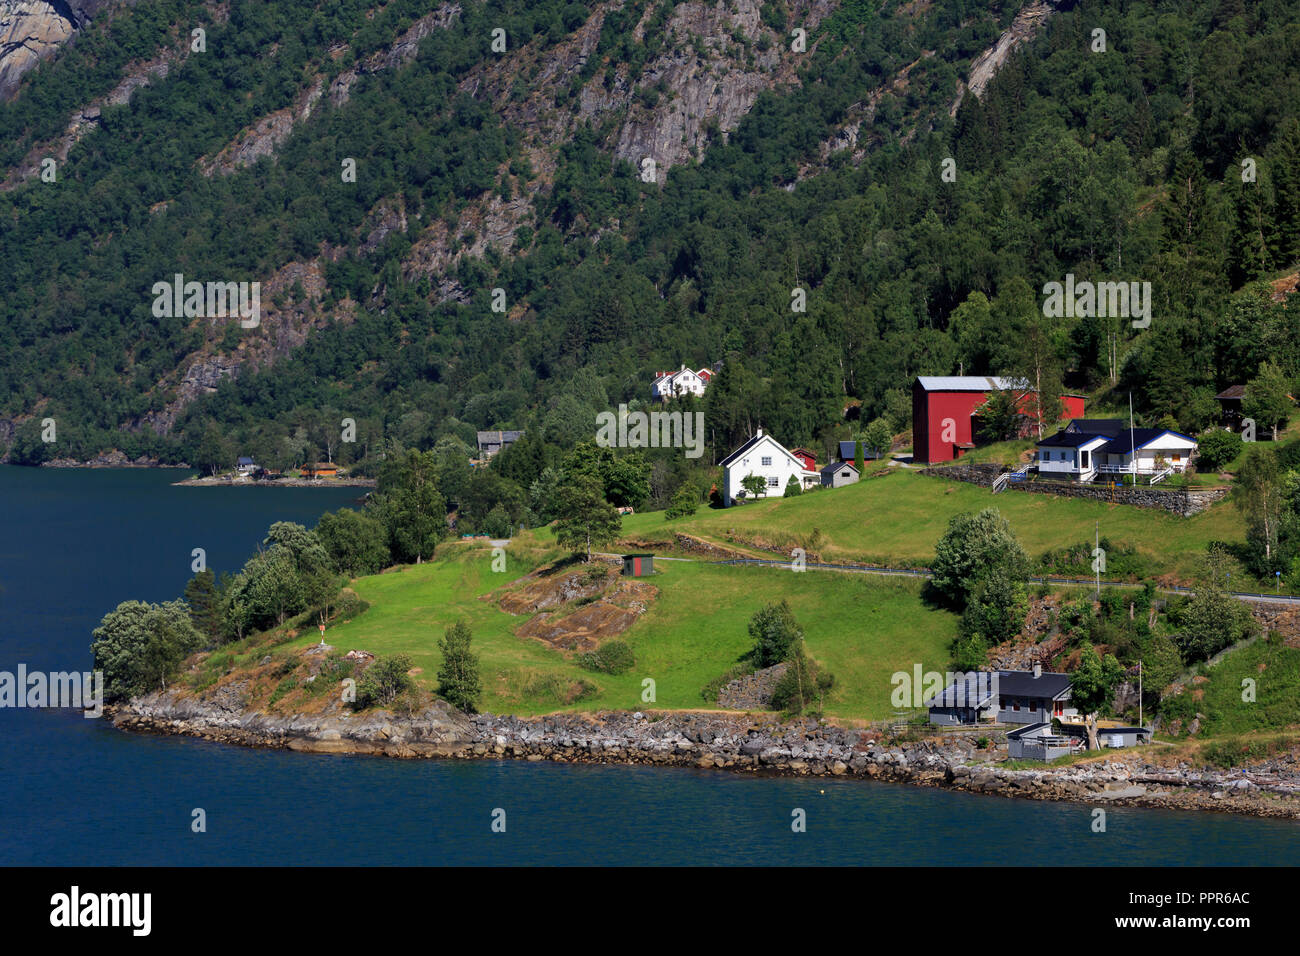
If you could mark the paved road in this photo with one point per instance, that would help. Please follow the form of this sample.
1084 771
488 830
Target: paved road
886 571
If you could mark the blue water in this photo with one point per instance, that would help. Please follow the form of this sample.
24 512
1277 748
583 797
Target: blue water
76 792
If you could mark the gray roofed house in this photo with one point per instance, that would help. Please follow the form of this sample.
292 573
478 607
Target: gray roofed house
838 474
1009 697
489 443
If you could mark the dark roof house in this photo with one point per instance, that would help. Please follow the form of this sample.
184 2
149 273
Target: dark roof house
489 443
847 452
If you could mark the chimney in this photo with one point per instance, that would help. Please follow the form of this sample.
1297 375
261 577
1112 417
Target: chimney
1038 670
759 433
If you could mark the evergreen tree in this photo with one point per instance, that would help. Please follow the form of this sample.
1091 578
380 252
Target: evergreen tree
458 675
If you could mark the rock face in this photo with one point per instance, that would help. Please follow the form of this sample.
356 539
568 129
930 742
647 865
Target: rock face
1026 25
32 30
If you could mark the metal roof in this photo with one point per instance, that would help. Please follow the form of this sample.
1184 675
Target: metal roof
970 383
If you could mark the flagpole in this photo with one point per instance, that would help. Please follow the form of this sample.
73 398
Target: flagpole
1132 450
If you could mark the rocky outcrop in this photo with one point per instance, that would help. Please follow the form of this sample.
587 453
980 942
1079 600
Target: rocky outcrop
439 730
289 314
1026 25
33 30
266 136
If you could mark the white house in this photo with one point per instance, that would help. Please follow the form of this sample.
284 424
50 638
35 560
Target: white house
684 381
766 457
1100 448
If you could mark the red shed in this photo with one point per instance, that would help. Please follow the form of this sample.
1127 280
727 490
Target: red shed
943 406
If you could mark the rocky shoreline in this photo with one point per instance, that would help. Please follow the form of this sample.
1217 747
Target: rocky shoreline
743 743
277 483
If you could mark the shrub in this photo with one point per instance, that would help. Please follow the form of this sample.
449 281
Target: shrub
774 631
612 657
1217 448
684 502
802 684
384 681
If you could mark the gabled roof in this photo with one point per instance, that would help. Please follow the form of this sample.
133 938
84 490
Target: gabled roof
243 460
1068 439
499 437
754 442
1139 438
977 689
1098 426
968 690
1025 684
800 450
1232 391
835 466
969 383
849 453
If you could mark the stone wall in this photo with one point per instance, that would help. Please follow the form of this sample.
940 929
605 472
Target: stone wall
1180 501
983 475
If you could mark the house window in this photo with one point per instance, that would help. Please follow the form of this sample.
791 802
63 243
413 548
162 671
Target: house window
767 460
774 482
1033 706
1178 458
1016 705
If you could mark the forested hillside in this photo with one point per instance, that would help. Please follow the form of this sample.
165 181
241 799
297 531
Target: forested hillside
777 168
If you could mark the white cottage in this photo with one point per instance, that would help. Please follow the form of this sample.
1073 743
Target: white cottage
766 457
1099 448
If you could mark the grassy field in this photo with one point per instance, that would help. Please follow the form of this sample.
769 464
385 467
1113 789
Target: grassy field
860 628
897 518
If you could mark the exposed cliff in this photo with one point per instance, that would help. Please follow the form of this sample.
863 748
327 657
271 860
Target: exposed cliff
33 30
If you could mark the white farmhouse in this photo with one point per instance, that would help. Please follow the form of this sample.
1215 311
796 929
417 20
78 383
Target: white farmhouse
766 457
684 381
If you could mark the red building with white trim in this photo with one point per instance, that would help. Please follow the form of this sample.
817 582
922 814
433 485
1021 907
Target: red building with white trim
943 409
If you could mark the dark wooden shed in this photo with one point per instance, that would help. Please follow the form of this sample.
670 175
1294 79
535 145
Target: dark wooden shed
638 565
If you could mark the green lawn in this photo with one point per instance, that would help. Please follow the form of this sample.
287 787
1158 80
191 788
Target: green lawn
862 629
896 519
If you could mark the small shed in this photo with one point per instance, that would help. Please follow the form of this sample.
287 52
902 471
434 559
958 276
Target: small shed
838 474
638 565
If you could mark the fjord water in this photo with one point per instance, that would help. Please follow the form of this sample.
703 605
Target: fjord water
77 792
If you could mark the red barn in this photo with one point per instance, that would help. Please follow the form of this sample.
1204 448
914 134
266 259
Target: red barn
943 407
